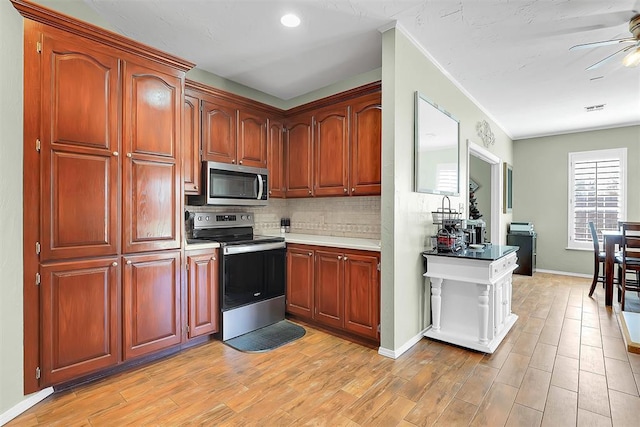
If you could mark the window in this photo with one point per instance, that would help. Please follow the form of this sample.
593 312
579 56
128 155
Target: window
597 192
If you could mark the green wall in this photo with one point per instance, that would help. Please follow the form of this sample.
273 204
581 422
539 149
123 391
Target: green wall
10 207
540 183
406 215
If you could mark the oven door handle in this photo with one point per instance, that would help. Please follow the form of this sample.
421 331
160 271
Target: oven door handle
253 247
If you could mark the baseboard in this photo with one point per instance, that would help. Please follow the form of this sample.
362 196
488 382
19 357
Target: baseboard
27 403
565 273
394 354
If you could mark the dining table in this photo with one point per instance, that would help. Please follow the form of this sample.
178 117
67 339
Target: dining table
611 238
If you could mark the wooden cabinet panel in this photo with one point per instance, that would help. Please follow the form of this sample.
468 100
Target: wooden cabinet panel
252 139
219 130
329 290
79 149
151 302
151 177
79 303
299 155
275 158
366 146
331 142
191 145
361 294
204 309
300 274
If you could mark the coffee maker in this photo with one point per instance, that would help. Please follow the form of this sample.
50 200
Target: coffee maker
474 231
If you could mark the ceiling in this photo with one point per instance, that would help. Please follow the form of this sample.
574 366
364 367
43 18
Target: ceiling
510 56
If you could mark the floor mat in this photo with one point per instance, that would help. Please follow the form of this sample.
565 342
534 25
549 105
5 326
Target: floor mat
267 338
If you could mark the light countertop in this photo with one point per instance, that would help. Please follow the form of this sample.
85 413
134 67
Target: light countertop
331 241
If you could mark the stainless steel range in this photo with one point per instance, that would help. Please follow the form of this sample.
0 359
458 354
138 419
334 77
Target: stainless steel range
252 270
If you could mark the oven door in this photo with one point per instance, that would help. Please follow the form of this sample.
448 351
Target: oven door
251 273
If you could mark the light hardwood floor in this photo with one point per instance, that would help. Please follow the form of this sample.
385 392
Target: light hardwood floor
563 364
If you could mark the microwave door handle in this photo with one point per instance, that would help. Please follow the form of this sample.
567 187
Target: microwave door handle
260 186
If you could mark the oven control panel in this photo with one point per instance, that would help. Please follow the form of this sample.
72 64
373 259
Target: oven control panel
220 220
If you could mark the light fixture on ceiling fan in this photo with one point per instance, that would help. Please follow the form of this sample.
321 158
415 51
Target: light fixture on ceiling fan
632 59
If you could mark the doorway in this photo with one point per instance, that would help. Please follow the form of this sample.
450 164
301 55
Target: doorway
483 168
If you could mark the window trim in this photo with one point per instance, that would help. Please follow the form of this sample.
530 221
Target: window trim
593 155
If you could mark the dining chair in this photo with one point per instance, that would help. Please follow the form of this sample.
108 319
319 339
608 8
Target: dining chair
598 259
629 260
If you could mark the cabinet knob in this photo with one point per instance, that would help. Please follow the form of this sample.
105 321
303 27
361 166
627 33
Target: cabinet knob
240 162
310 253
115 154
129 262
345 258
353 190
213 258
309 191
233 161
344 189
115 264
195 186
129 155
339 256
269 192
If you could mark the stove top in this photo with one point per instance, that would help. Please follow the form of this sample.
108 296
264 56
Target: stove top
235 240
227 229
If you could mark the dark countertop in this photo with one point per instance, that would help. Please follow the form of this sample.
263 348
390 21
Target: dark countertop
489 253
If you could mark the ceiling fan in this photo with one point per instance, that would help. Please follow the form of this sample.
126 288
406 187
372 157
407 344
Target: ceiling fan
632 59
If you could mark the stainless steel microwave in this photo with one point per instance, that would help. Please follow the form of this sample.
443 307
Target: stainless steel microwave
229 185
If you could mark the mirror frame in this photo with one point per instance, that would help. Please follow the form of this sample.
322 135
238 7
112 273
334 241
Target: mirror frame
507 188
423 104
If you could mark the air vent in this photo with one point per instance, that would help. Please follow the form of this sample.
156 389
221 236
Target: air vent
594 108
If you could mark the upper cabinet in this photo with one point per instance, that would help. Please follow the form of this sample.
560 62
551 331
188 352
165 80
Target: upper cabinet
219 130
275 158
191 144
366 145
299 156
252 139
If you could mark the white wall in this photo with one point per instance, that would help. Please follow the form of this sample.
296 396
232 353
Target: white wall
406 215
10 207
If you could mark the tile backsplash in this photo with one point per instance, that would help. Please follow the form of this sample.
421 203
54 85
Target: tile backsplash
331 216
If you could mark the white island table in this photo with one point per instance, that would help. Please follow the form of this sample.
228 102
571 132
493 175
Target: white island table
471 296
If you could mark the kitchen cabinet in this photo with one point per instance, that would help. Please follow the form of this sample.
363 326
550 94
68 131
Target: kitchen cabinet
299 156
331 144
80 305
231 134
334 287
202 291
152 114
275 159
366 146
151 315
105 120
191 144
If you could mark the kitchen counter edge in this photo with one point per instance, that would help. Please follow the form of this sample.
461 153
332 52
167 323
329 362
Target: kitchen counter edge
330 241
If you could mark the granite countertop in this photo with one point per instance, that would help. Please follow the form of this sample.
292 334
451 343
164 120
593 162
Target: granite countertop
489 253
330 241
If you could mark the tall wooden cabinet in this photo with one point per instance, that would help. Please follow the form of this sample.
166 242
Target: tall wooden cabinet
103 173
299 156
275 158
331 147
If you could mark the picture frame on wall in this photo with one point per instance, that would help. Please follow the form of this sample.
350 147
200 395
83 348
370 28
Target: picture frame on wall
507 187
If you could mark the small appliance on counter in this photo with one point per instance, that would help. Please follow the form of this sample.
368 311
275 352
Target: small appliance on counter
450 237
521 228
474 231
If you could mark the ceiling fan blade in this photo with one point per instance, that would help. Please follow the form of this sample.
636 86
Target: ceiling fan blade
608 58
603 43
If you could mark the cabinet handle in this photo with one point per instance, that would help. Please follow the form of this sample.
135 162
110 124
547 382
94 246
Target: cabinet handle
310 253
309 191
345 258
240 162
233 161
269 192
344 189
353 190
115 154
213 258
339 256
195 186
129 155
115 264
129 262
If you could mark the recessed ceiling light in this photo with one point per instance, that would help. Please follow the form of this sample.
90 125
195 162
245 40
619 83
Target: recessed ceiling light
290 20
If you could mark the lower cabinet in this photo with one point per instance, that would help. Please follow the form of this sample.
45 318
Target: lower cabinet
151 303
202 292
338 288
79 303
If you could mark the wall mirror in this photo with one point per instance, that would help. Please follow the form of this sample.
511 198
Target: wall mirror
437 151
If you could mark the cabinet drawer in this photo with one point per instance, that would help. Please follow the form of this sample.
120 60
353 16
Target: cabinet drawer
502 265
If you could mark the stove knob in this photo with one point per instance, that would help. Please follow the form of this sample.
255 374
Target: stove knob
248 216
206 218
199 218
243 217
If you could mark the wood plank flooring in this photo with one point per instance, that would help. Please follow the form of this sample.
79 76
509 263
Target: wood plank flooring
563 364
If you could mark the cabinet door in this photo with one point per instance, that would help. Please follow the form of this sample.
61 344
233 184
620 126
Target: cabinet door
331 142
219 130
366 146
299 157
361 294
79 150
329 289
300 281
79 318
191 145
252 139
152 169
151 303
204 310
275 159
